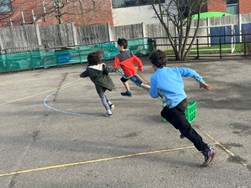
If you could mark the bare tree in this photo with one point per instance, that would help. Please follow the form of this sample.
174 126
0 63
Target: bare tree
180 14
78 11
20 12
81 12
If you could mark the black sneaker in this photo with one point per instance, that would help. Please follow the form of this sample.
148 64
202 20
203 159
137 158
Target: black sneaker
127 93
209 155
182 136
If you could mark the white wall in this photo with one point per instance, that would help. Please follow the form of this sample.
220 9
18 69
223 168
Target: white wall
134 15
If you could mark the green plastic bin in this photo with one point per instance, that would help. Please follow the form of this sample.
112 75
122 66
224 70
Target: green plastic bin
190 112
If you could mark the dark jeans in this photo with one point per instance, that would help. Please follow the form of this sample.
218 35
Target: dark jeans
176 116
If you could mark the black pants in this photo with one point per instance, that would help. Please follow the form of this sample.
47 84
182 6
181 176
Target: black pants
176 116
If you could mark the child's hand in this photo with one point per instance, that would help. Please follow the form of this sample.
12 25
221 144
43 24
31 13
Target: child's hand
206 86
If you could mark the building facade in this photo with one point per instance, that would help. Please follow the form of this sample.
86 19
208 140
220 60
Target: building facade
127 12
228 6
87 12
47 12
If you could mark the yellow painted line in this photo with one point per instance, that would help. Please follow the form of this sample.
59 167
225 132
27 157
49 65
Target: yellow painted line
94 161
36 94
225 149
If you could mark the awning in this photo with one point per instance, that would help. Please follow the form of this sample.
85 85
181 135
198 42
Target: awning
204 15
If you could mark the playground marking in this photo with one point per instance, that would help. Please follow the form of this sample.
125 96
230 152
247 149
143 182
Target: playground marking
36 94
33 79
101 159
114 158
225 149
63 111
94 161
27 80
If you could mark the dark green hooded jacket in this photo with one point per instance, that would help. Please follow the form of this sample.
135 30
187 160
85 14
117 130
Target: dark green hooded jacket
99 74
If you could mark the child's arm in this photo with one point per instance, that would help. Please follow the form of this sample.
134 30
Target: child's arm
107 69
153 90
206 86
138 61
83 74
116 62
187 72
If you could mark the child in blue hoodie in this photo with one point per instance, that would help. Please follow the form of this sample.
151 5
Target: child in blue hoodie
169 83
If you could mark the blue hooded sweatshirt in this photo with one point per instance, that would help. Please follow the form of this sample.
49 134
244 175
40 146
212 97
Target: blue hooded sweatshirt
169 82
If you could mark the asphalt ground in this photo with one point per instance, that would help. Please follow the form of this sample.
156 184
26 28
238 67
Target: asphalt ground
53 132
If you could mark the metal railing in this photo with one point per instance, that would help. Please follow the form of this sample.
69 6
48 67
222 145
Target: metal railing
217 47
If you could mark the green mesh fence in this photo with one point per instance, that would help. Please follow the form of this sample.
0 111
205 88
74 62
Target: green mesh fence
140 46
51 58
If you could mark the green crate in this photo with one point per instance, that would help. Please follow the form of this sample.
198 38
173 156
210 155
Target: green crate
190 112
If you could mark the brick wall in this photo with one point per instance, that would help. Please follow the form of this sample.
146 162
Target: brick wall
216 6
220 6
97 13
244 6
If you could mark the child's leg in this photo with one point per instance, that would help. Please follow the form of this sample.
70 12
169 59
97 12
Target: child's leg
138 82
108 101
104 100
127 86
143 83
125 83
111 105
128 91
176 116
146 86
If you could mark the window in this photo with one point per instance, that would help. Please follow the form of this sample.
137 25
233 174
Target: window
131 3
232 1
232 6
5 6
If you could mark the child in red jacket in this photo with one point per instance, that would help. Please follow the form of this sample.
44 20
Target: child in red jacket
126 61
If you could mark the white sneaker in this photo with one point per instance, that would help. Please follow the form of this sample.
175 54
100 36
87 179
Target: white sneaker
112 107
108 115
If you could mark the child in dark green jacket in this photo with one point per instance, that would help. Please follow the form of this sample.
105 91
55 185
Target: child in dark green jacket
99 75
